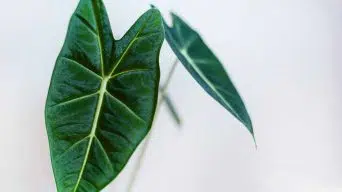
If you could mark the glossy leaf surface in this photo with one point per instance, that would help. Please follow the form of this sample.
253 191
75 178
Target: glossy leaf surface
205 68
102 97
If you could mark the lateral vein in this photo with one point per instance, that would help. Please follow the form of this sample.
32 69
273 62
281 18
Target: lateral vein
125 106
71 147
129 45
86 23
75 99
82 66
129 71
106 154
99 39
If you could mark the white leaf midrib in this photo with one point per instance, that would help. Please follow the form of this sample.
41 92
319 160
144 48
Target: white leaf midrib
211 86
92 135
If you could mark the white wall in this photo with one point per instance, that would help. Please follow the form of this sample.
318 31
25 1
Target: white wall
283 55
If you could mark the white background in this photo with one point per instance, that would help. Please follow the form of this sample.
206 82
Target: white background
283 55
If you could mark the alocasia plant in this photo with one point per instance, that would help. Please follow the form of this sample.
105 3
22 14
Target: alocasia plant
103 92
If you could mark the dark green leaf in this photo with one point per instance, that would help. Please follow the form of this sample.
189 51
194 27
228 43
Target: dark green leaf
205 68
171 107
102 97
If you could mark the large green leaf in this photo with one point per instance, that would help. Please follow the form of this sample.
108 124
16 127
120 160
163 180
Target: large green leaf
205 68
102 97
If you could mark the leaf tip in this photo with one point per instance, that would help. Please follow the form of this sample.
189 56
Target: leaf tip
154 10
254 139
248 124
250 129
174 16
179 123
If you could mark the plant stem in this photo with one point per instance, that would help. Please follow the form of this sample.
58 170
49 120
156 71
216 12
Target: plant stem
167 81
147 141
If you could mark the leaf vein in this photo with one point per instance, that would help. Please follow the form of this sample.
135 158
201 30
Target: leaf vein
106 154
130 45
82 66
116 133
125 106
87 24
210 84
129 71
74 100
99 39
71 147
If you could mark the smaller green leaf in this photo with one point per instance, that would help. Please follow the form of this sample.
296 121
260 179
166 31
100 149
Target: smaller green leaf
205 68
171 107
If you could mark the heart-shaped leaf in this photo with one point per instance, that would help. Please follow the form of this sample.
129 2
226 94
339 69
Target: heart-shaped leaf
205 68
102 97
